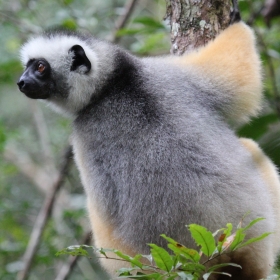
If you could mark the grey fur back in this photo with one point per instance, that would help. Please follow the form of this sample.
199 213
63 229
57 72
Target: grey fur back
164 157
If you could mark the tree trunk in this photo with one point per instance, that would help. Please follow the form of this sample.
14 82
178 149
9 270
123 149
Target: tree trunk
196 22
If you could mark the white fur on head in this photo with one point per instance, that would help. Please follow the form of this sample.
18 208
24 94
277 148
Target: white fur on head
55 49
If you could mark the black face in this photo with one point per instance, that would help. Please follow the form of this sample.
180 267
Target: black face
36 82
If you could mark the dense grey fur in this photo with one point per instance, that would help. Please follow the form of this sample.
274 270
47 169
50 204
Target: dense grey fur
167 160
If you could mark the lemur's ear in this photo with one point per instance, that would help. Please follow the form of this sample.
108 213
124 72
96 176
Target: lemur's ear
79 58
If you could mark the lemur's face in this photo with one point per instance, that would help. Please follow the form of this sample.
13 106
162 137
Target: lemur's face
36 81
52 78
64 69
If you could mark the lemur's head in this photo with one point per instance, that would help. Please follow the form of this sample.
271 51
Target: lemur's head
63 69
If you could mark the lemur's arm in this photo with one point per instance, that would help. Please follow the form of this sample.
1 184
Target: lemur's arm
232 66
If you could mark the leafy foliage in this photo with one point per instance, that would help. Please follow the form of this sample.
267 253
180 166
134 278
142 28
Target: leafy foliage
145 33
182 263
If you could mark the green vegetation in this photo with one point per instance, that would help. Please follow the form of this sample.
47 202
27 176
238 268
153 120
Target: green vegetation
27 174
182 263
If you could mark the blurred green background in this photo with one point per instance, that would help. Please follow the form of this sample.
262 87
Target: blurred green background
33 137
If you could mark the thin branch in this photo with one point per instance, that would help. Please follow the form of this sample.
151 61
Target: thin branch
7 15
43 216
122 20
38 175
12 17
67 268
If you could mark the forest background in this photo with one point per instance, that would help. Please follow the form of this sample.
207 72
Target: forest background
33 139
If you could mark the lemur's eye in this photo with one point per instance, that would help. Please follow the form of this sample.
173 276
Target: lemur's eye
41 67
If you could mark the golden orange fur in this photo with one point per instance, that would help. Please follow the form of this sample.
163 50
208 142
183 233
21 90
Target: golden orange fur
271 177
231 63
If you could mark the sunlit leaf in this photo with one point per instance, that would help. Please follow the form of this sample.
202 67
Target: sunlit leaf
69 23
252 223
203 238
254 239
215 267
190 254
134 261
178 248
75 250
224 241
239 237
161 257
193 267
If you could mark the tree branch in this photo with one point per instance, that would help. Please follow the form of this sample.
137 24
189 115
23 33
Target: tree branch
67 268
38 175
43 216
122 20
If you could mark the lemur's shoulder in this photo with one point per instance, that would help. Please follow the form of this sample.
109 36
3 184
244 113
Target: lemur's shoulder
232 65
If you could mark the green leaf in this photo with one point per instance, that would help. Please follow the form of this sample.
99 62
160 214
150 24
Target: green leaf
215 267
223 238
76 250
253 222
193 267
239 237
69 23
103 251
228 230
125 271
180 249
134 261
190 254
169 239
203 238
68 2
172 277
161 257
254 239
153 276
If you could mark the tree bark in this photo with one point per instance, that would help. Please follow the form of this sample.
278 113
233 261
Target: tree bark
196 22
